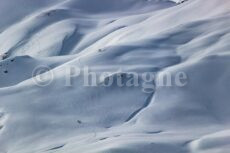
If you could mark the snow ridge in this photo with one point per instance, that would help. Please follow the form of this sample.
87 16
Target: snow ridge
157 36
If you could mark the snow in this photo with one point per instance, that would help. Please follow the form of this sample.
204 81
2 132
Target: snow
158 36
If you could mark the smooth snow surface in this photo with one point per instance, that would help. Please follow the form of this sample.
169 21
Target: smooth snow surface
168 36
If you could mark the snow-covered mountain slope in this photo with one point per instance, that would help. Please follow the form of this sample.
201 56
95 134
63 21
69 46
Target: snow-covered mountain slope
119 36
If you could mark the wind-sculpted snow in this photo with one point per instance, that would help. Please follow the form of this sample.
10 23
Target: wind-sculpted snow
119 37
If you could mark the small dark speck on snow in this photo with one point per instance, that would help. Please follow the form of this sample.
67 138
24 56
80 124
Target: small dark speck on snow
57 147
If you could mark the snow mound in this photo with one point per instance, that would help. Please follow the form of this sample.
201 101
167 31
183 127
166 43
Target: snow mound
157 36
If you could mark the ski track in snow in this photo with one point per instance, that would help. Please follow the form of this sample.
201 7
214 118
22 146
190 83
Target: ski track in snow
159 36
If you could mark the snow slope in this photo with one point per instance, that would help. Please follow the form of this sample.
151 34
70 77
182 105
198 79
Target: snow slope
158 36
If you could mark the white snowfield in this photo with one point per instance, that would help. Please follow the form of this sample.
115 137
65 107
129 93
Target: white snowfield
161 36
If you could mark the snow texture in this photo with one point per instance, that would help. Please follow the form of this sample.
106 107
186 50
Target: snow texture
189 36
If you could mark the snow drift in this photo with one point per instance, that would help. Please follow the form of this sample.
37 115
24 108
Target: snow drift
142 35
